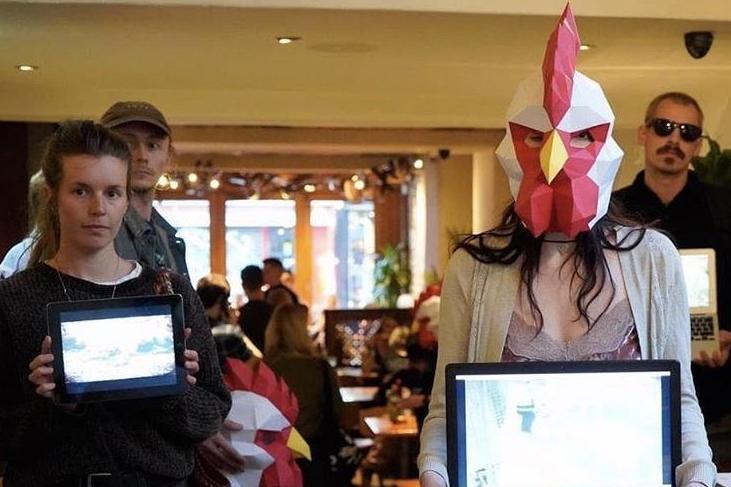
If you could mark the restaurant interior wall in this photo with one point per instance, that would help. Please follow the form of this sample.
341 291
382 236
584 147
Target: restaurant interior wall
455 203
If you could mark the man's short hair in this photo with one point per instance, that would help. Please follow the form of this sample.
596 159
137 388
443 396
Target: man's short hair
124 112
675 97
274 262
212 289
252 277
211 295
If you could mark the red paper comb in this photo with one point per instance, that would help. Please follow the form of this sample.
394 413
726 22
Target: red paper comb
559 66
265 383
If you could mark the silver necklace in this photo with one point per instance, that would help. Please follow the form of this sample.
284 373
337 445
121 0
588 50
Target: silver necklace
63 286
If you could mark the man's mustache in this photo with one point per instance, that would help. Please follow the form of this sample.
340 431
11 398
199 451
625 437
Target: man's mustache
672 148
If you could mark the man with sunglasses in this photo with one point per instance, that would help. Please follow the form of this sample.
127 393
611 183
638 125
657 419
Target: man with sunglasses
697 215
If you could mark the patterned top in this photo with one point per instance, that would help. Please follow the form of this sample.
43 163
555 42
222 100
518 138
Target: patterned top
613 337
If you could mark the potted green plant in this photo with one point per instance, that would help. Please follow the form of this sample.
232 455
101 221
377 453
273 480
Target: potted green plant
391 275
714 167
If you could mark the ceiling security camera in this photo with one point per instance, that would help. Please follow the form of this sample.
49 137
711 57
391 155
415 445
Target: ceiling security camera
444 154
698 43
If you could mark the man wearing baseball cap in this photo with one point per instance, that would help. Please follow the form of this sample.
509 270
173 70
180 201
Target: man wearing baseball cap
145 235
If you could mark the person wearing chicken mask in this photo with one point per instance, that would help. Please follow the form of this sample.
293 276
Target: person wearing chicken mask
563 265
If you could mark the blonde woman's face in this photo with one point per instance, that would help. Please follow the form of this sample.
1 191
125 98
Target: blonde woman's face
91 199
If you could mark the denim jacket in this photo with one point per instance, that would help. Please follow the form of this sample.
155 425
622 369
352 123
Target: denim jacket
152 243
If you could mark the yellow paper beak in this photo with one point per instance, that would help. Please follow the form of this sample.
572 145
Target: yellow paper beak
553 156
298 445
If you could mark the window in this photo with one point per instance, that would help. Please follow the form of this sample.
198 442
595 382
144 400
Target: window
192 219
343 240
256 230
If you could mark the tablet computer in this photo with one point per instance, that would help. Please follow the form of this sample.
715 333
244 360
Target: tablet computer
563 424
123 348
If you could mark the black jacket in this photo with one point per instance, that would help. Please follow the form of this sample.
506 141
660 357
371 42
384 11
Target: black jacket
698 217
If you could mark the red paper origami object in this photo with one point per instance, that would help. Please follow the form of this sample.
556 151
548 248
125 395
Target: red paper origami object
558 152
267 409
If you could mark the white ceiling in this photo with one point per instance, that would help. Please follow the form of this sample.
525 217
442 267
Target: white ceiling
422 64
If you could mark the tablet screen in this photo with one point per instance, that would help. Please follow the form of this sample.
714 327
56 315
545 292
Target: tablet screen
138 343
117 348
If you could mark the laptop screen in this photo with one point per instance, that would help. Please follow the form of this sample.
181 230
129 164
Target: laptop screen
697 279
597 427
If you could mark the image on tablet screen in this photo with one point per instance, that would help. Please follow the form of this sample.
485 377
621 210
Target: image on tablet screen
118 348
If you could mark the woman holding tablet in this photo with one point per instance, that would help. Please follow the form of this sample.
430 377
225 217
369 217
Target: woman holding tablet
146 442
560 278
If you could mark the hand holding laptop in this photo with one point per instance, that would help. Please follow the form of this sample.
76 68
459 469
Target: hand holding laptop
432 479
719 357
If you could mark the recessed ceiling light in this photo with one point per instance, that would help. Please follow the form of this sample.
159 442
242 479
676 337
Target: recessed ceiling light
586 47
288 39
418 164
26 67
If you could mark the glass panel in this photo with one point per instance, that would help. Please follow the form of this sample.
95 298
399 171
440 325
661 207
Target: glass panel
256 230
192 218
343 241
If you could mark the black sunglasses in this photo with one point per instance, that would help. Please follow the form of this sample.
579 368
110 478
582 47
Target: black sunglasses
664 127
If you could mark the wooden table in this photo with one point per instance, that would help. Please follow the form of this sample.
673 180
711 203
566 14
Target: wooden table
404 430
354 376
358 394
383 426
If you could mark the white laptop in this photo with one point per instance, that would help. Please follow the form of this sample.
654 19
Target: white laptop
563 424
699 268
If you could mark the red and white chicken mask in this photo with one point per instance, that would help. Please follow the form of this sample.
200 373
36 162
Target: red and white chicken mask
558 152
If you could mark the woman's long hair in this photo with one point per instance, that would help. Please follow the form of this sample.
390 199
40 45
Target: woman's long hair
510 240
286 332
72 137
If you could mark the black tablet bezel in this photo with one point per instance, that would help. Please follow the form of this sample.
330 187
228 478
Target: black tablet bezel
454 418
139 388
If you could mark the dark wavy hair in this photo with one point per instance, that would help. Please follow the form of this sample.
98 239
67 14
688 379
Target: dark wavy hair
510 241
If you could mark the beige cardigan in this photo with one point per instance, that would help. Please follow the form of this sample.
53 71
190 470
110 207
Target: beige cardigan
478 300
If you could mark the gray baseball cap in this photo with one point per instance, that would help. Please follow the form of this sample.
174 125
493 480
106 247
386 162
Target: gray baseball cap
134 111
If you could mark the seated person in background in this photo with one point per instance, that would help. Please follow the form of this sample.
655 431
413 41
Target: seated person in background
409 388
17 257
291 355
273 273
412 384
255 314
135 442
386 349
214 291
